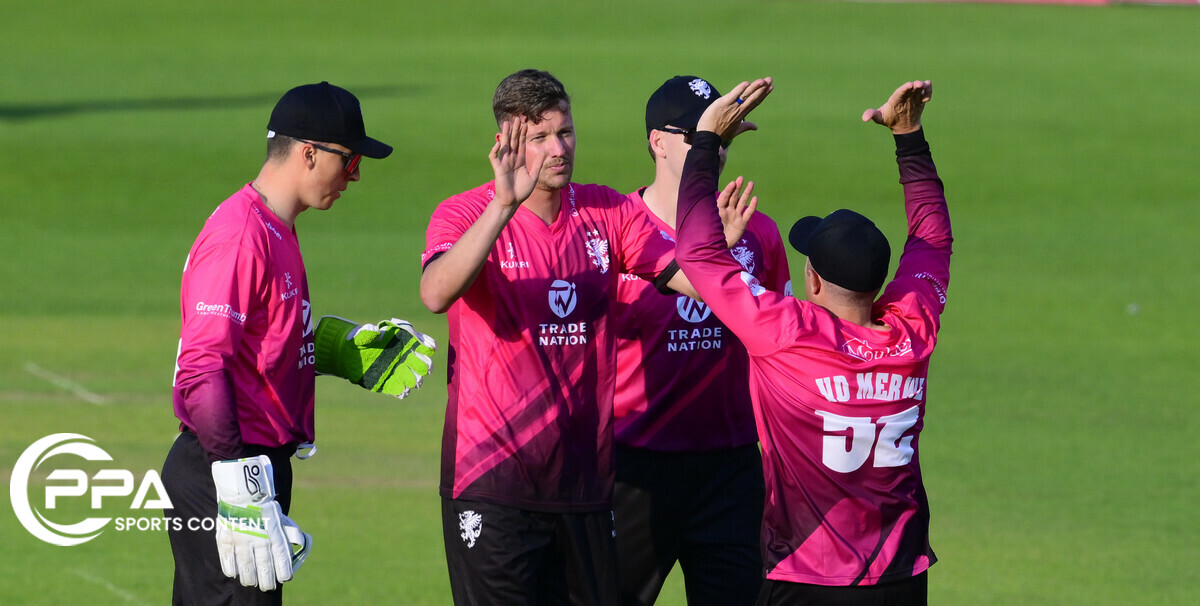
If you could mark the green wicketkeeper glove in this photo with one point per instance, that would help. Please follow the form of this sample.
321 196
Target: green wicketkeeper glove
390 358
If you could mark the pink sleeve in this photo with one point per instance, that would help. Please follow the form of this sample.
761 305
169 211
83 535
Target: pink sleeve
924 266
764 320
778 273
643 250
218 294
450 220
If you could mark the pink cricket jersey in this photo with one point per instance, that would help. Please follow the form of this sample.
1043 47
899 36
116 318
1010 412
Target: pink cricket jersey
681 374
529 420
246 343
840 407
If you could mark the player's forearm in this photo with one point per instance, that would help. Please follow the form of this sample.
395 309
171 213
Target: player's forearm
212 414
736 298
682 285
697 209
930 238
451 274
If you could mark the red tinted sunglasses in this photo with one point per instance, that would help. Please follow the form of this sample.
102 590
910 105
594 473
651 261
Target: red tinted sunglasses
352 160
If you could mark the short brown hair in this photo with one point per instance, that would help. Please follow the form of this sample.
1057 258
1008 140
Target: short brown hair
528 93
278 147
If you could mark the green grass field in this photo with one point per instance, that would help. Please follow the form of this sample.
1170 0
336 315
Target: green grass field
1060 452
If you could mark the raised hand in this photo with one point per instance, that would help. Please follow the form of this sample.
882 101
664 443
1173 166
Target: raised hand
902 112
516 169
726 116
735 209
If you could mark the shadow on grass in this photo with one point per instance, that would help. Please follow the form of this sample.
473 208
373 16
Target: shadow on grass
19 112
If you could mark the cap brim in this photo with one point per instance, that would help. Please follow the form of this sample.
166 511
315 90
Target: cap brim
802 233
371 148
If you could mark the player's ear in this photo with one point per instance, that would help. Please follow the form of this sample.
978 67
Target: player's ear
813 285
657 148
308 154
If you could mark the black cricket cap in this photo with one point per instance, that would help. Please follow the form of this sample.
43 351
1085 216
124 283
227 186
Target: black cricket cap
324 112
679 102
844 248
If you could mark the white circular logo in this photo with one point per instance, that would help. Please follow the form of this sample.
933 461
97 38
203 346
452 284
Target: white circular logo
64 535
562 298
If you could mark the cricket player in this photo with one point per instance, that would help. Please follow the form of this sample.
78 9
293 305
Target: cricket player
689 476
248 355
526 268
838 379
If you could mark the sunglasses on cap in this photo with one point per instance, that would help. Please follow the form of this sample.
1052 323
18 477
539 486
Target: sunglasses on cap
352 160
687 135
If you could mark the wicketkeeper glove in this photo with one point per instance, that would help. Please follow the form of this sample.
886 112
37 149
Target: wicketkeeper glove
390 358
254 539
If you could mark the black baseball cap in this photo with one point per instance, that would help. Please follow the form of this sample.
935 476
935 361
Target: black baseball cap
679 102
324 112
845 248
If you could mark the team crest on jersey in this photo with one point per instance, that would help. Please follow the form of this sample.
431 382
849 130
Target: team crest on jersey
597 250
692 310
666 236
701 88
562 298
471 524
744 256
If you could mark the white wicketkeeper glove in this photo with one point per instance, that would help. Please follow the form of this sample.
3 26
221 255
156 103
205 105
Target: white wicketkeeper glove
254 538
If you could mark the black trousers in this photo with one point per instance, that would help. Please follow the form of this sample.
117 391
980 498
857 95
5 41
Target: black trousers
913 591
501 555
702 510
187 478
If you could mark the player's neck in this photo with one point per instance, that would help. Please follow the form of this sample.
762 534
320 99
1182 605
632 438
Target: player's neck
853 314
545 204
662 198
282 201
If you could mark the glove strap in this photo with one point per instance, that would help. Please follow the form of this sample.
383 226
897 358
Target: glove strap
305 450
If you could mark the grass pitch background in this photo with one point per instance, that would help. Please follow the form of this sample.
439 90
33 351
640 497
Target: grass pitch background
1060 452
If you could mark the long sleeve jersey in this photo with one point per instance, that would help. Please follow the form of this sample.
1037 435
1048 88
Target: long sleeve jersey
681 374
839 406
244 373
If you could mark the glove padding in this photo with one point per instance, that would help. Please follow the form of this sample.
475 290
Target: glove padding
390 358
254 538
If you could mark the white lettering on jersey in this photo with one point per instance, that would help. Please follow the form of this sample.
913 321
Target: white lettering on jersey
863 350
889 387
224 310
872 386
938 287
573 333
512 262
692 339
